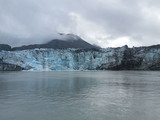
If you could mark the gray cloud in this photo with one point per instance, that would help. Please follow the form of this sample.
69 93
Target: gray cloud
102 22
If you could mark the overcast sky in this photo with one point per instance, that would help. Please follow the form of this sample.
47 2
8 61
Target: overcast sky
107 23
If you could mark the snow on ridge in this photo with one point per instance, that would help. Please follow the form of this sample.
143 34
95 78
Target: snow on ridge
67 37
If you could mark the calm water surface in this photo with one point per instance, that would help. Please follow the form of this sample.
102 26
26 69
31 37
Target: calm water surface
105 95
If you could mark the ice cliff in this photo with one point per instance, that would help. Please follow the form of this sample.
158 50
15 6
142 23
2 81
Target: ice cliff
122 58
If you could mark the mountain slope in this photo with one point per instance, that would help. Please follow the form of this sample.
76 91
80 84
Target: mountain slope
5 47
64 41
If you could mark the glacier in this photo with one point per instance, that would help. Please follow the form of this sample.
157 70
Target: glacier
45 59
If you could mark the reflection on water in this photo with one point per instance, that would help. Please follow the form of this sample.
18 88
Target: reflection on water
112 95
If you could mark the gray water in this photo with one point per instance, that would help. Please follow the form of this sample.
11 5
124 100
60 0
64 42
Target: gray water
106 95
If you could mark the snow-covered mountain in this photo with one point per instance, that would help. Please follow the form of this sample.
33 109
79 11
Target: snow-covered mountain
122 58
61 41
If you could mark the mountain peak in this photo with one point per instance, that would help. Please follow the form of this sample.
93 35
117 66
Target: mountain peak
68 37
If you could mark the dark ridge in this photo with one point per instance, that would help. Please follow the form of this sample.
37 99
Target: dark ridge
59 44
148 47
26 47
5 47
